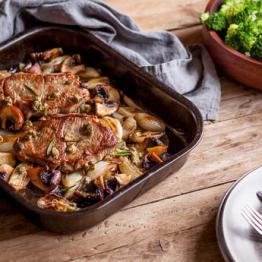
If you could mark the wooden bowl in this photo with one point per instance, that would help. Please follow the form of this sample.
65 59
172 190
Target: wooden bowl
245 70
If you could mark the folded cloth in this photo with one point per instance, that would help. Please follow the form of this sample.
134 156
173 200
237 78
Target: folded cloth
190 71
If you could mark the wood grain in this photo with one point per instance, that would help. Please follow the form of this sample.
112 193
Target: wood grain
132 227
165 15
175 220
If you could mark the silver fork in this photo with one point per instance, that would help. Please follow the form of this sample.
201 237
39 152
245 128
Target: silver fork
253 218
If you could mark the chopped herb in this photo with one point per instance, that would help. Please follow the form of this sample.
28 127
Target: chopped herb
122 153
21 170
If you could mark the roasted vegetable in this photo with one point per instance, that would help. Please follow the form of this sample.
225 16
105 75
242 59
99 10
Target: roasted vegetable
11 118
128 168
20 178
71 64
46 180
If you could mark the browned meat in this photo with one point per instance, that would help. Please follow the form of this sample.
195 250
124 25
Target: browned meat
37 94
66 142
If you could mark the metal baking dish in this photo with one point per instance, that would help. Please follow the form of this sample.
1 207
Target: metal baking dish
176 111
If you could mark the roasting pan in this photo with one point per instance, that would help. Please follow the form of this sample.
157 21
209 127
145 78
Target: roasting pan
176 111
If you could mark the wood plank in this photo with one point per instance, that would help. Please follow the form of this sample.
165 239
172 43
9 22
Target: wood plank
161 15
122 230
194 244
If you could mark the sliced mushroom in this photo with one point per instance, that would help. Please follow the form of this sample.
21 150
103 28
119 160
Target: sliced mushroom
128 168
149 122
70 64
89 73
107 108
5 171
7 158
129 126
115 125
56 203
20 178
12 118
72 179
46 180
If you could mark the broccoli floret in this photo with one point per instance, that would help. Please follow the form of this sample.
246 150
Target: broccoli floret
256 50
204 17
240 22
247 34
232 37
231 8
215 21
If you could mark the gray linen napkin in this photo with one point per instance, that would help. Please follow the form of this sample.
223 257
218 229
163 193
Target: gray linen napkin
190 72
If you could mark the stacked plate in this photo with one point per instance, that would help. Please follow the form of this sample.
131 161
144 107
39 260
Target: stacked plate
236 238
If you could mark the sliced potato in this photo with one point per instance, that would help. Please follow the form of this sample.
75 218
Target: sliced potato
106 109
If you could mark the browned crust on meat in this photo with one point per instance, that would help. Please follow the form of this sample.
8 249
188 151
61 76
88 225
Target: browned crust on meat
59 93
56 130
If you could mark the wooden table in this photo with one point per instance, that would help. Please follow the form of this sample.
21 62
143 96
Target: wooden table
175 221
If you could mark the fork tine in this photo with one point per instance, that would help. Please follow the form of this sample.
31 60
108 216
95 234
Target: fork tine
257 215
251 221
254 215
